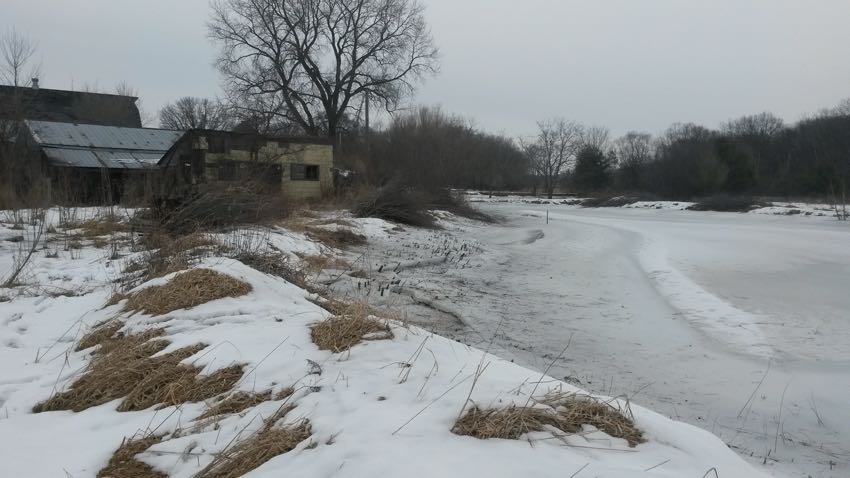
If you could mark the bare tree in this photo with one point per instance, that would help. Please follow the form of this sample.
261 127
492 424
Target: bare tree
760 125
16 52
633 149
320 56
595 137
553 150
194 113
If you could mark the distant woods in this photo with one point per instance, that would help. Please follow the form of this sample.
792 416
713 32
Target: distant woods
757 155
430 149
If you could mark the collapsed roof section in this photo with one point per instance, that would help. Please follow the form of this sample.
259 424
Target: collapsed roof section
94 146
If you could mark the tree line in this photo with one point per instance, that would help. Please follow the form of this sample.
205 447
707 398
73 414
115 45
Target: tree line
317 67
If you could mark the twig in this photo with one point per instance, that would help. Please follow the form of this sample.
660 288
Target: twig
545 372
779 419
709 471
579 470
432 402
756 389
656 466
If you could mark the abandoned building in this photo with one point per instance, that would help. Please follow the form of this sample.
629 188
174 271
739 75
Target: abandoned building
91 148
40 104
99 164
299 167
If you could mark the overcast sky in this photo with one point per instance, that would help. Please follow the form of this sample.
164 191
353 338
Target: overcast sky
626 64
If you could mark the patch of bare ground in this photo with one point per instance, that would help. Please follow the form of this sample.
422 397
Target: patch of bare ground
353 324
186 290
123 462
566 413
126 366
271 441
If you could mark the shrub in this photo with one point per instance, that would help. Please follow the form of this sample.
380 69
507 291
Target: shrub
395 203
404 205
214 210
456 204
608 201
727 203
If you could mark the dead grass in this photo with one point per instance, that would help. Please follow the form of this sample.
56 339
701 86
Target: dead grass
172 383
123 463
186 290
567 413
236 403
272 440
354 324
509 423
576 411
165 255
115 298
333 220
336 238
273 263
321 262
112 374
103 226
99 334
125 367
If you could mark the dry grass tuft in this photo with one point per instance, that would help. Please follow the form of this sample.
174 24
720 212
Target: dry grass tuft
186 290
123 463
125 367
566 413
249 454
170 382
509 423
115 298
272 263
236 403
100 334
576 411
165 255
121 362
321 262
354 324
103 226
336 238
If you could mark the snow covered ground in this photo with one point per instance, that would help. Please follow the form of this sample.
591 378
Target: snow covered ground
384 408
736 323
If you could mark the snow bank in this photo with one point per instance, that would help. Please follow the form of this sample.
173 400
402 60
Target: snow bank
385 407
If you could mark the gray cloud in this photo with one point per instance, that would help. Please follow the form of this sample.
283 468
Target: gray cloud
627 64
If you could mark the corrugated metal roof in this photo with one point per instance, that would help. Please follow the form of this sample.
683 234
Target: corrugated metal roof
107 137
93 146
88 158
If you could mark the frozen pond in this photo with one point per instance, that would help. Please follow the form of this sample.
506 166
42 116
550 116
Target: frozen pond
737 323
